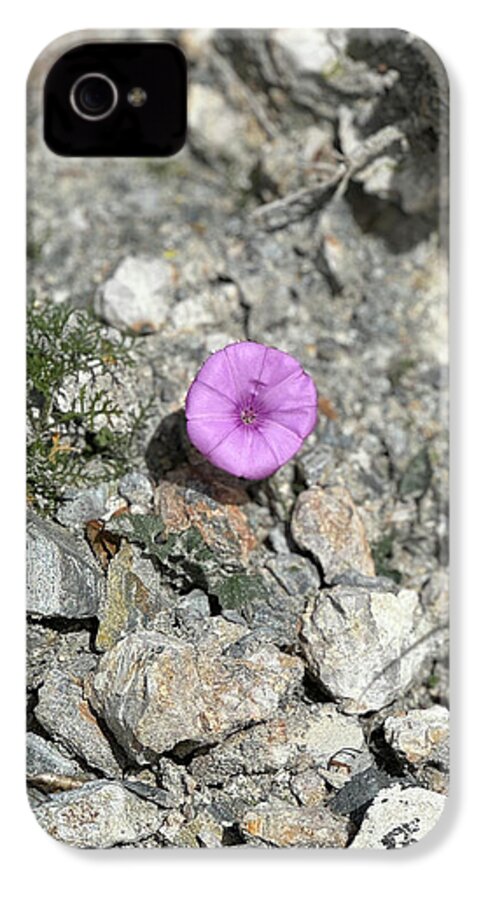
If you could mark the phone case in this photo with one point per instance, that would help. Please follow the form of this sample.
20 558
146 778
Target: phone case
237 631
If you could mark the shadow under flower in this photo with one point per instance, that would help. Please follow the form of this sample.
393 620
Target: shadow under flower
171 457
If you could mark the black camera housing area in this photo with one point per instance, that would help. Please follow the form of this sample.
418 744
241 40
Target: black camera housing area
117 99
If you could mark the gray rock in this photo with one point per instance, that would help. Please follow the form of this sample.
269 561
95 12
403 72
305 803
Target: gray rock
297 575
157 693
399 816
98 815
271 598
232 799
317 464
48 648
361 789
380 583
85 505
435 596
300 738
195 603
365 647
221 133
138 296
192 609
62 576
66 715
420 736
326 523
175 782
279 824
137 490
43 756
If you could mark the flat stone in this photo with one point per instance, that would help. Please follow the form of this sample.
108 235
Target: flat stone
133 596
65 714
98 815
420 736
279 824
399 816
364 647
62 576
43 756
157 692
361 789
325 522
300 738
138 296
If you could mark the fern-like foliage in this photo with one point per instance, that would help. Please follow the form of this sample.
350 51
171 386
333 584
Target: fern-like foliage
65 434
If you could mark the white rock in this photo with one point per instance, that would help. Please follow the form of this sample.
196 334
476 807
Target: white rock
213 123
309 49
138 296
398 817
365 647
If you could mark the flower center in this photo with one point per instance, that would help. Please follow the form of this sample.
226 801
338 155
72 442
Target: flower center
248 415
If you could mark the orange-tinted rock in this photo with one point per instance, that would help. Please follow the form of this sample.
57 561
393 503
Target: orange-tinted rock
326 523
193 496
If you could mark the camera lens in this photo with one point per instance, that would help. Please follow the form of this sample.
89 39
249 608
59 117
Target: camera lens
94 96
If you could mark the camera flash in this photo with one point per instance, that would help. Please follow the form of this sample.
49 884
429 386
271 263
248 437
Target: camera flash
137 96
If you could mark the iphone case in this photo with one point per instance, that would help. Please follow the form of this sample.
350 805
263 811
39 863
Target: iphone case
260 660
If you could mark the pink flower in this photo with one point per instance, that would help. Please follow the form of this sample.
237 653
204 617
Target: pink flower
250 408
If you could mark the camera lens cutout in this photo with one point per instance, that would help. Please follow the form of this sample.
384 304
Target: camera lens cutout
94 96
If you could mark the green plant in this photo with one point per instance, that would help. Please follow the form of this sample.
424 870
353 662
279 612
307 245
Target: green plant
382 554
66 430
183 557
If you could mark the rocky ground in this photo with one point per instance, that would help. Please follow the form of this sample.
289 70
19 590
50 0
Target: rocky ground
214 662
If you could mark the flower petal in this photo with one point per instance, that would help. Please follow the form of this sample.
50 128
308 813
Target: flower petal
297 389
206 399
207 434
278 368
300 421
283 442
244 453
246 362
